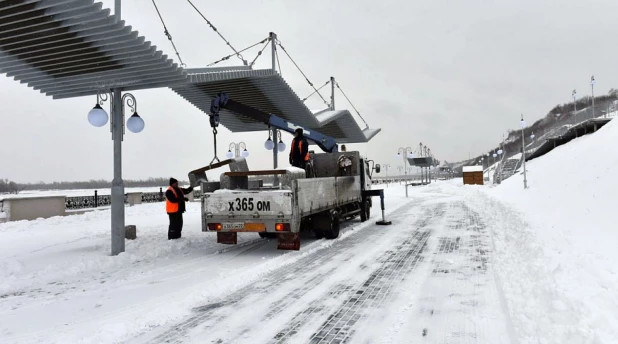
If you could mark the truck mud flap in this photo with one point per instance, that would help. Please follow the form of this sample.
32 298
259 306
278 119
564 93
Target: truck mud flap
227 238
288 241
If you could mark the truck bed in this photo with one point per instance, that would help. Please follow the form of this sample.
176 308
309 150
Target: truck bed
260 210
315 195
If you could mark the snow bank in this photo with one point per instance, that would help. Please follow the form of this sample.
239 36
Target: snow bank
571 245
294 169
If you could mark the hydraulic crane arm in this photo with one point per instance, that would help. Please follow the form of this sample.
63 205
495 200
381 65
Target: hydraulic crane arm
222 101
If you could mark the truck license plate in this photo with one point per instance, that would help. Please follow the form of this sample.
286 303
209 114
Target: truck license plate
233 225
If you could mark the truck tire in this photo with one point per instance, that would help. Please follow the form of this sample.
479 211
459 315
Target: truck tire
333 231
318 234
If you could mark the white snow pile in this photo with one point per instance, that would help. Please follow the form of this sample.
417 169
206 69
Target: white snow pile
559 269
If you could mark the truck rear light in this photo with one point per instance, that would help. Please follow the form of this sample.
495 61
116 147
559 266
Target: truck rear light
280 227
214 226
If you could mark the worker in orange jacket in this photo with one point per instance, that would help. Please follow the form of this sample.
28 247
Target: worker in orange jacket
299 152
174 206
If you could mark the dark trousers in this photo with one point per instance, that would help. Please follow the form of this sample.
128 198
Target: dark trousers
299 164
175 228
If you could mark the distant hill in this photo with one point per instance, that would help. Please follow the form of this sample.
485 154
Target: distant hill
557 119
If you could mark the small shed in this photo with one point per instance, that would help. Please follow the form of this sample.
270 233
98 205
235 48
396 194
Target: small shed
473 175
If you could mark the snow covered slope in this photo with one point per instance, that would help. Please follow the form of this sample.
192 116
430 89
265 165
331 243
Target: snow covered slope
570 208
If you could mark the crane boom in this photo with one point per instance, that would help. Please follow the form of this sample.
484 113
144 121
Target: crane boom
222 101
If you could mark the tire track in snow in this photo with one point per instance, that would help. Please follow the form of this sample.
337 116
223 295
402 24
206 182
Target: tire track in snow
211 315
458 298
339 326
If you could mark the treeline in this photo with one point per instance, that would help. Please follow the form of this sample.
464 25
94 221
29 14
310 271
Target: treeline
7 186
584 102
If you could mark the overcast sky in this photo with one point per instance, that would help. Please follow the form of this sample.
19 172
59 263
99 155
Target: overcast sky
454 75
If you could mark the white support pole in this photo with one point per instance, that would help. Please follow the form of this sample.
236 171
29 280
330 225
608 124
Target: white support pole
523 153
275 151
117 9
332 93
592 87
273 50
117 183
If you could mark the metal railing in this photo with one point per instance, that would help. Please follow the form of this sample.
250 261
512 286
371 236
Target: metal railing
568 121
97 201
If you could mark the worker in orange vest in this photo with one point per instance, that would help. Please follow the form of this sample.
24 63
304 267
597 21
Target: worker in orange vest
174 206
299 152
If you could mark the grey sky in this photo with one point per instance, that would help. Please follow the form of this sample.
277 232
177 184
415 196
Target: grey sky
452 74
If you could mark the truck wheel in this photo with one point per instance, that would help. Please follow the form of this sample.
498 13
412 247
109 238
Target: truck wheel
318 234
333 231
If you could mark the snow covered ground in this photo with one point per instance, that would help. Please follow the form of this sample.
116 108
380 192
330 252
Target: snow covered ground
570 228
460 264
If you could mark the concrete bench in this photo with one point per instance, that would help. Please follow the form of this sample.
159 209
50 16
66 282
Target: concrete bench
32 208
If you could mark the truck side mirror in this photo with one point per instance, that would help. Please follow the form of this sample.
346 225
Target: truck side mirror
377 168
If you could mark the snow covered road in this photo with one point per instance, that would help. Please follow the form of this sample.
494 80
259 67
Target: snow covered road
456 266
426 278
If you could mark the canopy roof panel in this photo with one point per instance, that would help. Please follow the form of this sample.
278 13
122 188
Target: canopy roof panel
75 48
267 91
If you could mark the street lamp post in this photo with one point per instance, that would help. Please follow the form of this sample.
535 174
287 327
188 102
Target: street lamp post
269 144
592 88
523 149
574 94
98 118
482 162
499 160
405 153
237 153
429 168
486 159
386 166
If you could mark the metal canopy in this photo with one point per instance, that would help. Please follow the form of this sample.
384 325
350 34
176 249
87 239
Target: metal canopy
421 162
267 91
73 48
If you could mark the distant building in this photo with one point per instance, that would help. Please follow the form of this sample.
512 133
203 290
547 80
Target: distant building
473 175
